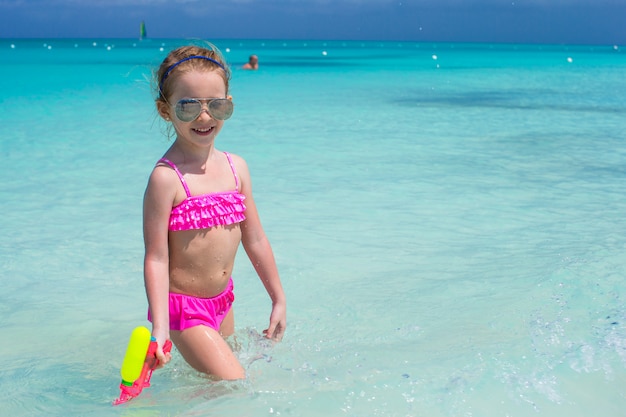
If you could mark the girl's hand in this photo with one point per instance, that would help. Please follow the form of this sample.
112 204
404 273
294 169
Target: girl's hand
161 356
278 323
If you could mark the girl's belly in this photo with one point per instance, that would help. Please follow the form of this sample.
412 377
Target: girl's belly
201 261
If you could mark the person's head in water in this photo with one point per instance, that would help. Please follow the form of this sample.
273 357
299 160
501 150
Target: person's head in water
253 63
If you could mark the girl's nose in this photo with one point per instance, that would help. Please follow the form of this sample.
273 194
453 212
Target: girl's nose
205 110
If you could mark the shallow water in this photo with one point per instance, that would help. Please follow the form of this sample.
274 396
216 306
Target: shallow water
447 220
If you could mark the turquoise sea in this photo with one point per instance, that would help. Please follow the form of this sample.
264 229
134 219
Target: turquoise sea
448 220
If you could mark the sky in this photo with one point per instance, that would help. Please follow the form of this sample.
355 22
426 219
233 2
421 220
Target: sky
519 21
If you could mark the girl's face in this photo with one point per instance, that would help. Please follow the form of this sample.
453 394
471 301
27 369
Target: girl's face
195 84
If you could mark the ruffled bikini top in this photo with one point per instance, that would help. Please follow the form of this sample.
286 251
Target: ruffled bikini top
207 210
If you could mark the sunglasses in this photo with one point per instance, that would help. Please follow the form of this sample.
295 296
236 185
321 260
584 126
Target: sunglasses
188 109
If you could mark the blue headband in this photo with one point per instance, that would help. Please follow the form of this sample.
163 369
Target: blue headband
174 65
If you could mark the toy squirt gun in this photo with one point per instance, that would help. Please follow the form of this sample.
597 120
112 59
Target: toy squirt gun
139 362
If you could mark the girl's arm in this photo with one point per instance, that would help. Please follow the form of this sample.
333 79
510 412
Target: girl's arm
157 206
259 251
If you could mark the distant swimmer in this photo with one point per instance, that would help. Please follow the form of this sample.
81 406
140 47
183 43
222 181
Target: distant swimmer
252 64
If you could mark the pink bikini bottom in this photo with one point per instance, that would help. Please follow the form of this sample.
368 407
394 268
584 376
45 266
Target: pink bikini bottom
187 311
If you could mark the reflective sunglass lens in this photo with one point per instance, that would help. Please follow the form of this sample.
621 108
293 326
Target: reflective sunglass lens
221 109
188 110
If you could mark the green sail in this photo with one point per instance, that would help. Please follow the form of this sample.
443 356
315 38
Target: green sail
142 31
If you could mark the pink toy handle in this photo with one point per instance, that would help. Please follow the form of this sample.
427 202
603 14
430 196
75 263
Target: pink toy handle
150 364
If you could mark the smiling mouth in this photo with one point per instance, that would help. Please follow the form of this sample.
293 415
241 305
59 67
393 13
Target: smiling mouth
204 131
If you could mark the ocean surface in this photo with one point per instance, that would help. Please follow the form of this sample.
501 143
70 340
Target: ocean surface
448 221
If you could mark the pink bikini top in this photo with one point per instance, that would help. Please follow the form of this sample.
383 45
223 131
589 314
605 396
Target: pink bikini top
207 210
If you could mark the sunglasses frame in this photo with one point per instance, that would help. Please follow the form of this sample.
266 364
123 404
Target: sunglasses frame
201 101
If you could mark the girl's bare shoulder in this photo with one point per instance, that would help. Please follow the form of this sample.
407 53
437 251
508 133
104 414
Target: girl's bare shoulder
163 182
240 164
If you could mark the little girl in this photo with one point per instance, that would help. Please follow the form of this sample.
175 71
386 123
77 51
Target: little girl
198 207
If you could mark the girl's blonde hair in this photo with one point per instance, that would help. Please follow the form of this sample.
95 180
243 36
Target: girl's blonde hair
185 59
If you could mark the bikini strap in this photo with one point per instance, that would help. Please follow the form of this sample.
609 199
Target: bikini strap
175 168
232 167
